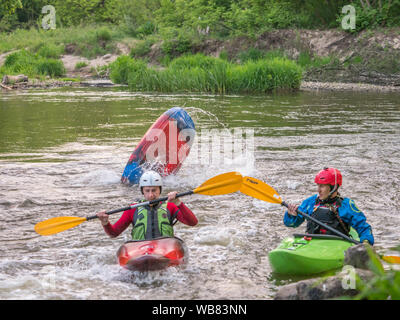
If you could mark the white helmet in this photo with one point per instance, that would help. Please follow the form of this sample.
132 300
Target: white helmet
150 179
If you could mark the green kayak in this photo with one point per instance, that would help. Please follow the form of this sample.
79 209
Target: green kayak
305 254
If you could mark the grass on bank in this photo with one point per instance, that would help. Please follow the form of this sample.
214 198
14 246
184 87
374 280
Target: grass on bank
32 65
93 40
88 41
37 51
199 73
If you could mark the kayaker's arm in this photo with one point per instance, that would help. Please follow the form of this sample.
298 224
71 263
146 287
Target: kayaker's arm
292 221
351 214
295 221
183 214
114 230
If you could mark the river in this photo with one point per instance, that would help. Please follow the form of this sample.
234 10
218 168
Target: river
62 152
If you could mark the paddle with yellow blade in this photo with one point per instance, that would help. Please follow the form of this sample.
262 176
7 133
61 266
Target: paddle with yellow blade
262 191
222 184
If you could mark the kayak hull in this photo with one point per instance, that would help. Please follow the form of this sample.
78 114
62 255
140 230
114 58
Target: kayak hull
305 254
150 255
163 148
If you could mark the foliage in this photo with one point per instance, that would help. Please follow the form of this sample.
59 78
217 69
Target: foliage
251 54
137 16
80 65
142 48
49 50
123 67
177 42
199 73
373 14
384 286
220 18
8 7
31 64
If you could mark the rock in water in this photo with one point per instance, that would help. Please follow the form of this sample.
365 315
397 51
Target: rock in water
320 288
358 257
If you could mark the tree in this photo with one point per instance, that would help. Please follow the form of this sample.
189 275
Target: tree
8 7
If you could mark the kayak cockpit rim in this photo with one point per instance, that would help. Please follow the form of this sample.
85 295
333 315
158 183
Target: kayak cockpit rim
319 236
130 241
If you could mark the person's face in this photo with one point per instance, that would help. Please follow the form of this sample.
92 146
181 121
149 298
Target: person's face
323 191
151 193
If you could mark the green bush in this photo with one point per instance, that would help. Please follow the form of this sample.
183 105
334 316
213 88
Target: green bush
223 18
199 73
125 66
20 62
177 44
141 49
265 75
80 65
384 286
49 50
103 34
30 64
373 16
307 60
251 54
195 61
145 29
50 67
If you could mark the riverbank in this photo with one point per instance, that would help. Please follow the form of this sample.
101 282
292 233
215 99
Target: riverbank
331 59
106 82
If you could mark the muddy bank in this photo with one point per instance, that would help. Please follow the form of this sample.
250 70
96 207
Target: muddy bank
371 57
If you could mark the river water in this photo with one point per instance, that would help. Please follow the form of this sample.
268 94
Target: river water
62 152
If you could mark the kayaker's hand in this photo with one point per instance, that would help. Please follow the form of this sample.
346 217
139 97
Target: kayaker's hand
172 198
292 208
103 217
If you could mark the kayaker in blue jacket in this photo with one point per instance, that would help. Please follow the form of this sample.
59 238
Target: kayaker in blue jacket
329 207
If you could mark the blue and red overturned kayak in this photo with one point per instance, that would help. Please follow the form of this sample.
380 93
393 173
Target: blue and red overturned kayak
150 255
163 148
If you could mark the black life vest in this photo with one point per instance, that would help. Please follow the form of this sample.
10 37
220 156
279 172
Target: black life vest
327 212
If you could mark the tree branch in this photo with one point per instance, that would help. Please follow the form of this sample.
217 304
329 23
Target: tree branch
5 87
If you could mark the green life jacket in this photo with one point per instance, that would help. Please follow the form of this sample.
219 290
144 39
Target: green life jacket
152 222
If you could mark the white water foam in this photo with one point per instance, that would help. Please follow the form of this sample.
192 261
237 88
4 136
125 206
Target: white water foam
101 177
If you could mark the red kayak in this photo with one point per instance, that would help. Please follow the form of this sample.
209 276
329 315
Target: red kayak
146 255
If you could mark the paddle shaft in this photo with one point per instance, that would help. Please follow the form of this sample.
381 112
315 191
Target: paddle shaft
141 204
340 234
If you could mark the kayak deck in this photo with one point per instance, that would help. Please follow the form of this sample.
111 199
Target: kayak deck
150 255
305 254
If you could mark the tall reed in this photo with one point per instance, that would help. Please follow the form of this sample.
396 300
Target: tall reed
199 73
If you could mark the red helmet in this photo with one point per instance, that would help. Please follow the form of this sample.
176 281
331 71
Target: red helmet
329 176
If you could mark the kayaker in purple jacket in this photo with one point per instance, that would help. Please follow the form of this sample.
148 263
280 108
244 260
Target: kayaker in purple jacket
329 207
